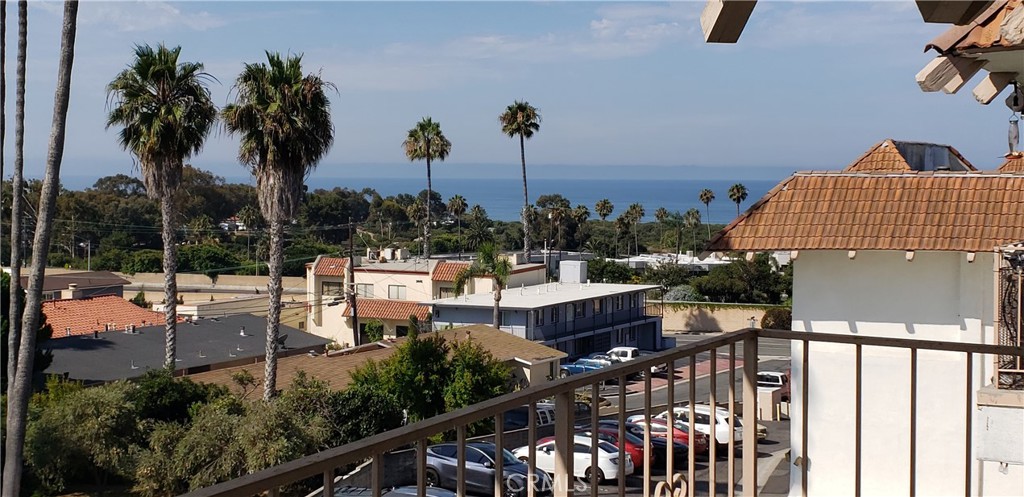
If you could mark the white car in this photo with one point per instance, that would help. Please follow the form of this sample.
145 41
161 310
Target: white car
626 354
702 422
607 458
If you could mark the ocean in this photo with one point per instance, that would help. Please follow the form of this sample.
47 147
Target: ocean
503 198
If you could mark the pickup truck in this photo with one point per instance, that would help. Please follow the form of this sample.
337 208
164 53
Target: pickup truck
773 380
626 354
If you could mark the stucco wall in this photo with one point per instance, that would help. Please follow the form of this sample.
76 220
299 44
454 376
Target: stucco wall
938 296
699 316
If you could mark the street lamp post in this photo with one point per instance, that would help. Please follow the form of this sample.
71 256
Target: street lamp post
87 245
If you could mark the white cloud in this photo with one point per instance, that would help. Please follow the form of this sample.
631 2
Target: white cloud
138 15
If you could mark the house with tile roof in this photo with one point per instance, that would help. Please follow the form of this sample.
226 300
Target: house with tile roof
896 253
62 284
387 291
531 362
89 315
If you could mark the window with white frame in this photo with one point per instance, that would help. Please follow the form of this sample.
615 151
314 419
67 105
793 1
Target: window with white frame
396 292
331 289
364 290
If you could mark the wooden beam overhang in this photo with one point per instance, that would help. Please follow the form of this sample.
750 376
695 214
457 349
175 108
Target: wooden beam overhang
951 11
723 20
993 84
948 73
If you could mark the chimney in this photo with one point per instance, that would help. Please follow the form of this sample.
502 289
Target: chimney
71 292
67 331
96 334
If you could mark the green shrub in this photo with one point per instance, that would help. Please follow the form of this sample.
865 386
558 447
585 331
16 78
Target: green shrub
779 318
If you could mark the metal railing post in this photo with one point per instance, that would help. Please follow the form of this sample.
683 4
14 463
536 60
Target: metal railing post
376 474
499 446
328 484
564 445
749 416
712 452
421 467
460 457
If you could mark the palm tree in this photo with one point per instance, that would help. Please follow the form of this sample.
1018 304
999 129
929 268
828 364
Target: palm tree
284 120
692 219
661 215
706 196
737 193
604 208
580 214
489 263
17 403
166 113
621 224
250 217
635 213
523 120
457 207
17 207
675 221
426 141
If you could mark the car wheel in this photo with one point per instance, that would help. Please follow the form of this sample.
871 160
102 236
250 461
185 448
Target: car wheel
563 374
524 459
514 487
595 477
433 479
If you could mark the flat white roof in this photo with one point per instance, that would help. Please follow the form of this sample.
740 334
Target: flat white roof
535 296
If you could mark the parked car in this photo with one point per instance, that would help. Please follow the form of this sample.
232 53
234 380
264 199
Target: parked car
413 491
626 354
607 458
442 464
601 358
702 422
519 417
634 445
580 366
660 445
680 432
775 380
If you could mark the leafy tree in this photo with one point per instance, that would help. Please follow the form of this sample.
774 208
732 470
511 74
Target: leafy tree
426 141
211 260
604 208
489 263
142 261
159 396
742 281
523 120
416 375
683 293
165 113
476 376
375 330
706 196
140 300
605 271
737 193
284 119
120 185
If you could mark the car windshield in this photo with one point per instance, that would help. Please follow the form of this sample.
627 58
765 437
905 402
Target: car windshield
767 378
507 456
633 439
607 447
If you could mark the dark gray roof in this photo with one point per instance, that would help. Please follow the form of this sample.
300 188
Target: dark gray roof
86 280
202 345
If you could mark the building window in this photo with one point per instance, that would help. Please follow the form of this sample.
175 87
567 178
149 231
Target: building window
364 290
554 314
620 302
598 306
506 318
331 288
538 318
633 298
447 292
581 309
401 331
570 311
396 292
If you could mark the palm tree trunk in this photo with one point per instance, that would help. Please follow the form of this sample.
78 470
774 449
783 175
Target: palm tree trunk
737 209
17 208
18 402
170 282
707 209
459 221
679 243
426 225
497 304
526 201
274 311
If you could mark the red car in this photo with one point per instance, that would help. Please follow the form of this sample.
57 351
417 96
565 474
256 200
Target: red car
679 433
634 444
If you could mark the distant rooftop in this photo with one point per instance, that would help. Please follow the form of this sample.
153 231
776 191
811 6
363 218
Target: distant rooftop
534 296
86 315
895 156
86 280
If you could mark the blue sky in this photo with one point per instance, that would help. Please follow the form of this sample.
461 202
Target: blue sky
811 85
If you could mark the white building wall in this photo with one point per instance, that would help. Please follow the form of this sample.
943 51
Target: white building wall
938 296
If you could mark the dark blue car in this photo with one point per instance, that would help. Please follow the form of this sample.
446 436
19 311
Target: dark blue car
580 366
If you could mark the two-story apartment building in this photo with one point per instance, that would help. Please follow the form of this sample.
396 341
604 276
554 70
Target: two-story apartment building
576 318
388 292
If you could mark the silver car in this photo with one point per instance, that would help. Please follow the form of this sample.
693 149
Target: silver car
442 464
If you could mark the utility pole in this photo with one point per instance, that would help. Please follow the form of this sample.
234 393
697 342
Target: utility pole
352 284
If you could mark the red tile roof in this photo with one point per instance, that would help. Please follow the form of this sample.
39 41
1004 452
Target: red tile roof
330 266
841 210
394 310
893 155
1013 164
446 271
980 35
86 315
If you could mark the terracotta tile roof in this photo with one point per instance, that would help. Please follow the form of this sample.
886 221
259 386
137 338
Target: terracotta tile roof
892 155
1013 164
337 369
394 310
86 315
330 266
950 211
979 35
446 271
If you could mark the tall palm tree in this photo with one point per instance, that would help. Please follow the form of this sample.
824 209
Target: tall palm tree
165 113
661 215
17 403
737 193
635 213
706 196
489 263
621 224
284 120
675 221
692 219
523 120
426 141
17 207
457 207
580 215
250 217
604 208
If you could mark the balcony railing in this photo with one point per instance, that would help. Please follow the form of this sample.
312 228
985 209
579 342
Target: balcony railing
672 481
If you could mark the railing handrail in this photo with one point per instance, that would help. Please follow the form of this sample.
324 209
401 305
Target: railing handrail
335 457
